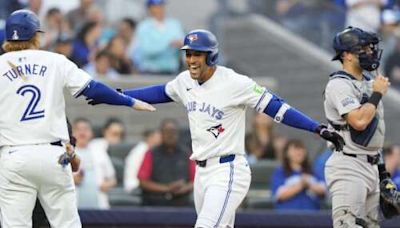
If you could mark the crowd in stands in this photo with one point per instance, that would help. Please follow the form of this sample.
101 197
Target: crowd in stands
158 170
319 20
134 44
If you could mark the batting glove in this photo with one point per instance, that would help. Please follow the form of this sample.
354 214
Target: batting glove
331 136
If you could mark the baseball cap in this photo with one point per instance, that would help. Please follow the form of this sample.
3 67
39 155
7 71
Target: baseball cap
155 2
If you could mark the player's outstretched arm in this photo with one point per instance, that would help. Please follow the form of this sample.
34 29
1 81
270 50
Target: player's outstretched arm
284 113
152 94
99 93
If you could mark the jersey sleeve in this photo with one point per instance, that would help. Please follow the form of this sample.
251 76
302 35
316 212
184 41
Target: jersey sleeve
172 89
341 95
75 79
250 94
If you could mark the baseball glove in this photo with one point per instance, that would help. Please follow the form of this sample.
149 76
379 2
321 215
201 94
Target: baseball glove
389 197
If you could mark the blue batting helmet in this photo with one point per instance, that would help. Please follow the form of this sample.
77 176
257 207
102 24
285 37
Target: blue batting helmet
154 2
22 25
205 41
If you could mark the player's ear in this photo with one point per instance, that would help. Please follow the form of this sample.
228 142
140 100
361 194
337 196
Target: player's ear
347 56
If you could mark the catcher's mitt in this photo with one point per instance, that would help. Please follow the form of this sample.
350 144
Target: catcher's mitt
389 198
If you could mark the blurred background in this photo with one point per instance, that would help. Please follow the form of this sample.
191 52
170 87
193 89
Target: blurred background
284 45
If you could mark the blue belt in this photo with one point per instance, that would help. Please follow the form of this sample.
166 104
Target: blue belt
223 159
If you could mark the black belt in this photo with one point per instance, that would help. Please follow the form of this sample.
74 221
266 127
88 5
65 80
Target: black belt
373 160
223 159
56 143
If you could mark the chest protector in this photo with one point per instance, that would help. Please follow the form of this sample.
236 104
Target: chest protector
364 137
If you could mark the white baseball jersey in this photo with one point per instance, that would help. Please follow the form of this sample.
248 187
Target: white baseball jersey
216 110
31 96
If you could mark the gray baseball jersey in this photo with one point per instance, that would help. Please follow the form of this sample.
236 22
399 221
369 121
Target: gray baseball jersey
343 94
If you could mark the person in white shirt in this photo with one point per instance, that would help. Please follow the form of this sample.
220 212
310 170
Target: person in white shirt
133 161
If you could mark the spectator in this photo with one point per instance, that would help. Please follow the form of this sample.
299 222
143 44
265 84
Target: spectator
85 179
97 169
166 174
101 67
261 134
293 184
280 142
126 30
54 26
79 16
364 14
389 32
158 41
35 6
117 47
392 160
115 10
319 164
392 66
86 43
63 45
254 149
151 139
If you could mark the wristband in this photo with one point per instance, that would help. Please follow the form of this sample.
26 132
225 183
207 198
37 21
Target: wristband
375 98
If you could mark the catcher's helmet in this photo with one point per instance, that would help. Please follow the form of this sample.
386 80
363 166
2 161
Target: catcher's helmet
353 40
205 41
22 25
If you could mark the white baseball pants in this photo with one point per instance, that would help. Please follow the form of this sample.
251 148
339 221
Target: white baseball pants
30 172
219 189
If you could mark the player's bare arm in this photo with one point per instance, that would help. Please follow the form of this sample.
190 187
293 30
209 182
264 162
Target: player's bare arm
362 116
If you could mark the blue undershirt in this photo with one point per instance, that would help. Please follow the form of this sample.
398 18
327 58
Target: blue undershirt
100 93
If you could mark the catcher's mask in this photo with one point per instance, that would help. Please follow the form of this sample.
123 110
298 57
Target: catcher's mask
354 40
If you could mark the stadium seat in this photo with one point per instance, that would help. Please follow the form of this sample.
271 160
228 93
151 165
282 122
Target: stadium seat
117 195
260 195
261 173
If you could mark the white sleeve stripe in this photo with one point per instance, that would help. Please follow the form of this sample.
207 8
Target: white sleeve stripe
282 110
82 88
264 101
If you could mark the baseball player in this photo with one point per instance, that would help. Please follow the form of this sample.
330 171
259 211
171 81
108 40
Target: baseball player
33 125
354 110
216 99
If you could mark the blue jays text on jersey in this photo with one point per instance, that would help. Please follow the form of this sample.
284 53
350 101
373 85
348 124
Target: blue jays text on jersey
212 111
26 69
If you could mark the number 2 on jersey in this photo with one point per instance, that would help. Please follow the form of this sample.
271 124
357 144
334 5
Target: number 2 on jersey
30 111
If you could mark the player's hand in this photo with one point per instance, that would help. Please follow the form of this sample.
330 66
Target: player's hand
381 84
143 106
331 136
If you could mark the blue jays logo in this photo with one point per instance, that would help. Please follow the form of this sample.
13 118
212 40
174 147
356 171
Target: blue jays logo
192 37
15 35
216 130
